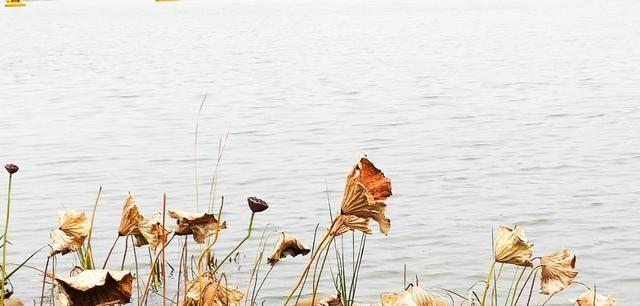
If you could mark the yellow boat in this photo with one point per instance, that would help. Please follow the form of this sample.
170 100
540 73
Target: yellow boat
14 3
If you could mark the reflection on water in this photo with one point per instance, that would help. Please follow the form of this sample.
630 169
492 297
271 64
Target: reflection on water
481 113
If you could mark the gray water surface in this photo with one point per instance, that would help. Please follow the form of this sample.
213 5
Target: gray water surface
481 112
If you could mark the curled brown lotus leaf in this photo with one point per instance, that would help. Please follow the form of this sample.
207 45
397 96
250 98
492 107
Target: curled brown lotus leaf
413 296
364 197
209 292
288 245
96 287
587 299
200 226
131 217
69 236
558 272
512 247
320 301
151 232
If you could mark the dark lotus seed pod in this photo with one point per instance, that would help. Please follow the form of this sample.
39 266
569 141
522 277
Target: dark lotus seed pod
257 205
11 168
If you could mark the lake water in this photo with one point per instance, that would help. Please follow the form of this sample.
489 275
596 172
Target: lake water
481 112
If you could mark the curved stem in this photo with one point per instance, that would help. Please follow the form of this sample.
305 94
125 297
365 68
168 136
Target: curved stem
44 280
320 248
533 282
237 246
4 240
106 260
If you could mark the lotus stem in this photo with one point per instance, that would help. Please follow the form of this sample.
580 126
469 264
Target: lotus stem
53 279
124 257
515 288
4 239
164 274
533 282
237 246
106 260
135 259
44 280
320 248
488 283
494 292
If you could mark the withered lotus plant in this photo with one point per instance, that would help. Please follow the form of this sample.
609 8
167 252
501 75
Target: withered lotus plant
131 217
412 296
512 247
200 226
207 291
587 299
70 235
288 245
95 287
558 272
365 193
151 232
364 199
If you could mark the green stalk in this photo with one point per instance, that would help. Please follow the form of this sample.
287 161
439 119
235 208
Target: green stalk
4 238
237 246
488 283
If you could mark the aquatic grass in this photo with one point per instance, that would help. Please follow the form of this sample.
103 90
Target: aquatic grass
195 153
88 262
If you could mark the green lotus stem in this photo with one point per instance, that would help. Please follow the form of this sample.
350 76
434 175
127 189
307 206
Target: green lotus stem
237 246
4 239
488 282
